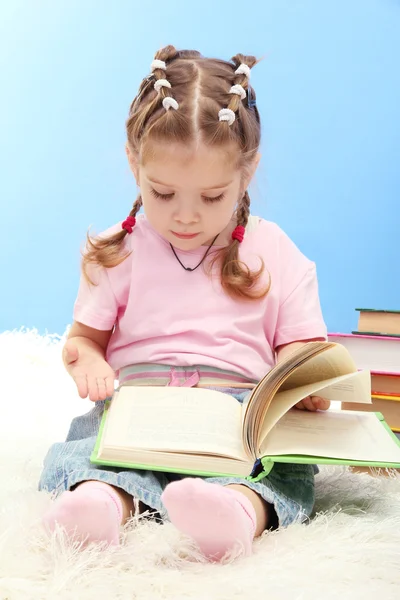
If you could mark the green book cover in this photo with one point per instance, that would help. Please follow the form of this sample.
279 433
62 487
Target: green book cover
262 466
377 310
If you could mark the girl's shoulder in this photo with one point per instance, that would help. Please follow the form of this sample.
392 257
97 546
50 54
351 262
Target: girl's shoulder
259 230
128 241
271 242
117 227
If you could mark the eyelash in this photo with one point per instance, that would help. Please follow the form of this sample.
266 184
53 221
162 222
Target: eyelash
170 196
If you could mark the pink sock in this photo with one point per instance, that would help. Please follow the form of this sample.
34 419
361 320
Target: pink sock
216 517
90 513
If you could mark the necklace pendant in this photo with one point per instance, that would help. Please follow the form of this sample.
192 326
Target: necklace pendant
188 269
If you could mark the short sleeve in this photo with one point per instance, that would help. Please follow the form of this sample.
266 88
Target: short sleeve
299 315
96 305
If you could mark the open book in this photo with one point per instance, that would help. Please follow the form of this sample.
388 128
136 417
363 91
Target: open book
209 433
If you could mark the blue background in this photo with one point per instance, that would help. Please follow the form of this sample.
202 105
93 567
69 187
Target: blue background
329 95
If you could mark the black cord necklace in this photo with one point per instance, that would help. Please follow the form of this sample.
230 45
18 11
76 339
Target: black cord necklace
202 260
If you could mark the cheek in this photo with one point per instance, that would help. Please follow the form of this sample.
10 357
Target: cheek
155 210
225 208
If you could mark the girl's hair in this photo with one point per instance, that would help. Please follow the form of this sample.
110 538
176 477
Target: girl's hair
201 86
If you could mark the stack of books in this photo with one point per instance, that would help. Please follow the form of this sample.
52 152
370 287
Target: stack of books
375 346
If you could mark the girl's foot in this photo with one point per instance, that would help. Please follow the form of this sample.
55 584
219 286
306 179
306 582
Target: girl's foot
217 518
90 513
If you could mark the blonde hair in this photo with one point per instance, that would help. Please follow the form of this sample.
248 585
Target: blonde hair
201 87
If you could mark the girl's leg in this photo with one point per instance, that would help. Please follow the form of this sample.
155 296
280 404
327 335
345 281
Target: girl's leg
92 511
219 518
219 512
263 510
125 500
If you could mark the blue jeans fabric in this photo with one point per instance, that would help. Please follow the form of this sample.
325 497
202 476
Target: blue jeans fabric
288 487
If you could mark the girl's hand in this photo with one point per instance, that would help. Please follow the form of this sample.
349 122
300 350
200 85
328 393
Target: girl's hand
313 403
92 374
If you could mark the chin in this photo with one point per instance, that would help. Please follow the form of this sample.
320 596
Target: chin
186 244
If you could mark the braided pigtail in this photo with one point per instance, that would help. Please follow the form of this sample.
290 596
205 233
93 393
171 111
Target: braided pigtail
107 251
237 279
240 91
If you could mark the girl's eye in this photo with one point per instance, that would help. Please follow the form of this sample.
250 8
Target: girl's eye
215 199
170 196
161 196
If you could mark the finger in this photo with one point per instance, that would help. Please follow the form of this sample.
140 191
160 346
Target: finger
300 405
101 388
109 386
93 389
71 353
81 384
320 403
308 404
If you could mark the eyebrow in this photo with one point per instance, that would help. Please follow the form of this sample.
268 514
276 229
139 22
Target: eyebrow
214 187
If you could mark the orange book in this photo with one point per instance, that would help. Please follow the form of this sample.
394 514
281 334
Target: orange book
385 383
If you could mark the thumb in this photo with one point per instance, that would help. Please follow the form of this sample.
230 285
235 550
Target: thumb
71 352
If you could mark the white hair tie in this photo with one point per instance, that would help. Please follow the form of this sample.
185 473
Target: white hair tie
169 102
239 90
243 70
161 83
226 114
158 64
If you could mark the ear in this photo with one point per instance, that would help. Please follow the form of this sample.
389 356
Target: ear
250 171
133 163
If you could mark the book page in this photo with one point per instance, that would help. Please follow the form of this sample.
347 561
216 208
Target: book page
262 395
175 419
354 385
314 362
333 362
332 434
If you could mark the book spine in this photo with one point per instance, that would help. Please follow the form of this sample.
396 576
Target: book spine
378 310
376 334
385 373
359 335
390 397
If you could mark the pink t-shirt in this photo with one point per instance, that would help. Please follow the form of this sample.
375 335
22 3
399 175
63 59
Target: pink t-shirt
165 315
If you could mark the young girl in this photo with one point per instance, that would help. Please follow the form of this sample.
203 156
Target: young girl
193 292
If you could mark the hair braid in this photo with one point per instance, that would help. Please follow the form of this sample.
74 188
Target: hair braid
243 210
107 251
237 279
167 54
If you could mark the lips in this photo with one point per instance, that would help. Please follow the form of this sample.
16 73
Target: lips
184 236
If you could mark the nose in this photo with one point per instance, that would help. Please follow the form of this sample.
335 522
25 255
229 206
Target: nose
186 214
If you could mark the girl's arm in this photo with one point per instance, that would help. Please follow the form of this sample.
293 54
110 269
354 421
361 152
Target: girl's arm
84 358
87 340
284 351
311 402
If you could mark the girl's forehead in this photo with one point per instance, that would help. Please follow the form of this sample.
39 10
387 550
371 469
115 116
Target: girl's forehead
189 156
205 170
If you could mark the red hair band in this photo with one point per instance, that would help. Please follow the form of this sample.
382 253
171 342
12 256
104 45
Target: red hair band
238 233
128 224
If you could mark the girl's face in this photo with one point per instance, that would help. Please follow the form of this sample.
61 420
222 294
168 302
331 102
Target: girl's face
189 197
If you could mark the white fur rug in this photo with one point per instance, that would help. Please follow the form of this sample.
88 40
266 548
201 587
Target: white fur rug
351 549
